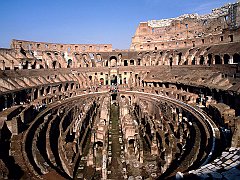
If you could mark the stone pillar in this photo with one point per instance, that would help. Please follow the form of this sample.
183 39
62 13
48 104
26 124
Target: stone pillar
230 61
109 79
39 93
12 64
20 66
37 66
13 99
32 95
5 101
29 66
180 117
51 89
154 148
2 65
44 91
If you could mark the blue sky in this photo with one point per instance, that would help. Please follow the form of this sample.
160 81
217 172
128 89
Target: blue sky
89 21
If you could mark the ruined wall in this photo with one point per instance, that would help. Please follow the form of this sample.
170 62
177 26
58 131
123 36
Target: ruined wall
189 30
44 46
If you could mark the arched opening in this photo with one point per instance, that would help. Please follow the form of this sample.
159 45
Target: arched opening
98 144
185 62
131 143
230 38
60 88
69 63
48 89
171 61
193 61
218 59
132 62
114 80
25 64
106 79
209 62
66 87
179 58
201 62
99 58
34 65
113 61
236 58
54 64
125 81
139 62
42 91
114 96
106 64
101 81
120 56
125 62
226 58
35 94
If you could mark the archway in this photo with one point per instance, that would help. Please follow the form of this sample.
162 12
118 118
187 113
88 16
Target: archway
54 64
179 58
193 61
139 62
132 62
171 61
209 62
125 81
113 61
114 80
101 81
201 62
131 143
125 62
236 58
69 63
226 58
218 59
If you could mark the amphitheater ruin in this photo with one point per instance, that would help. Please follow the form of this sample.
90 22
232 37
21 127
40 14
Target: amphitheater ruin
167 108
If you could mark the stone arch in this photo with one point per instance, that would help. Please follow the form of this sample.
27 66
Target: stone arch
132 63
125 62
41 91
179 58
236 58
54 64
101 81
201 60
193 61
139 61
146 59
113 61
35 94
226 58
164 57
218 59
69 63
209 61
99 57
66 87
106 63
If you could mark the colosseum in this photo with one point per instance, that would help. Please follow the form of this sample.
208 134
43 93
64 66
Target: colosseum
167 108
